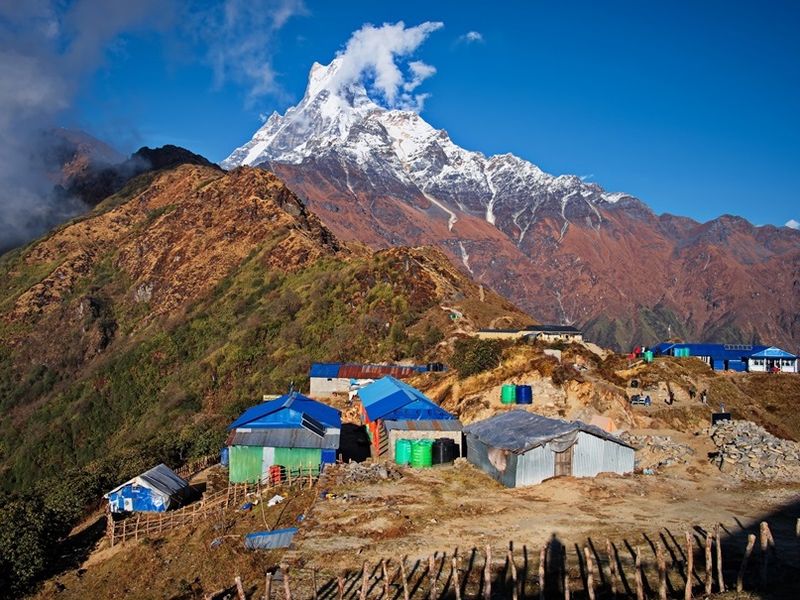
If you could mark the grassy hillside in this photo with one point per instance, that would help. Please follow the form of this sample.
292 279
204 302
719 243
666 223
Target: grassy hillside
135 334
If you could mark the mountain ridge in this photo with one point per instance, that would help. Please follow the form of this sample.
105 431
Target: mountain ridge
385 177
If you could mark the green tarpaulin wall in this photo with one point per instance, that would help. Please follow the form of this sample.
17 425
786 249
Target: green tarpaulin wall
298 458
245 464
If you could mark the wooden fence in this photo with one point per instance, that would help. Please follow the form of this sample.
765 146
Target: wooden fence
685 566
143 525
193 467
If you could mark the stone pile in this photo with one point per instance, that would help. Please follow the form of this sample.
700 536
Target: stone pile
747 451
656 451
366 472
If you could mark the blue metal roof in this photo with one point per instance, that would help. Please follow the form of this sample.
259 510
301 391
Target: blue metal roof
287 411
715 351
325 370
390 398
773 352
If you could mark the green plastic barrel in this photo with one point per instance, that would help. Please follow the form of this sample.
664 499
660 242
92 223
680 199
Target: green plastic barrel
648 356
402 452
421 453
508 393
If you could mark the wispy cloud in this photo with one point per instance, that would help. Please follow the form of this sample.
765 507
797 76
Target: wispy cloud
381 54
471 37
46 49
239 39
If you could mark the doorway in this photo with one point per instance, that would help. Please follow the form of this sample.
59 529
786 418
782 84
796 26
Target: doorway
564 463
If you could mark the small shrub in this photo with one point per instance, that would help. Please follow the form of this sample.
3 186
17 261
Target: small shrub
473 355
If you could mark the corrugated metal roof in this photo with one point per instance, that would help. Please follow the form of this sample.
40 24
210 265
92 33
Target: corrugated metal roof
285 438
324 370
553 329
772 352
715 351
295 405
389 396
268 540
519 430
376 371
160 478
424 425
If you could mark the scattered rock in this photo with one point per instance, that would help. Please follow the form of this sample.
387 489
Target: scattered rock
365 472
657 451
747 451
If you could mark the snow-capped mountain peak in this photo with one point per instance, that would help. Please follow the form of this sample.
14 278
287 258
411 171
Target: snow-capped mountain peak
380 149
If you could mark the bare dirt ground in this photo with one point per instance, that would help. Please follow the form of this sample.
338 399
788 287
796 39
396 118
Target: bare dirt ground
440 509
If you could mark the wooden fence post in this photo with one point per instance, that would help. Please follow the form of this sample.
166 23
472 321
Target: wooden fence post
718 542
709 564
513 567
364 577
268 587
662 571
751 542
340 586
404 578
385 579
612 561
764 535
314 582
432 575
239 588
566 572
638 575
456 585
587 555
487 574
687 591
542 573
285 573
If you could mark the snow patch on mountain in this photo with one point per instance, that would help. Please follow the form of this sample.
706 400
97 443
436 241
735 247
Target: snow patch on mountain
393 149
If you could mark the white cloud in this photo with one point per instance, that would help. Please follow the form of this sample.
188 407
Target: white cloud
793 224
471 37
238 36
376 51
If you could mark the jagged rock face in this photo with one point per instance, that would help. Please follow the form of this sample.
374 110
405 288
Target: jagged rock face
563 249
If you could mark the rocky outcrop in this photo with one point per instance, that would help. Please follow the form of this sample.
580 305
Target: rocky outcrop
747 451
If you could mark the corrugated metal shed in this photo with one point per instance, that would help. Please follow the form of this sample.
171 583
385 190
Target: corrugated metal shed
155 490
160 478
424 425
269 540
592 455
719 352
285 438
520 430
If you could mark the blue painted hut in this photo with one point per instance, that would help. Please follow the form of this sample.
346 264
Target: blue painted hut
733 357
292 432
392 409
156 490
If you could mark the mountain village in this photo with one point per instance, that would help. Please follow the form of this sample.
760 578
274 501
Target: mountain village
357 361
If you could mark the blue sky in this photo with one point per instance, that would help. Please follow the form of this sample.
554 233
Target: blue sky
692 107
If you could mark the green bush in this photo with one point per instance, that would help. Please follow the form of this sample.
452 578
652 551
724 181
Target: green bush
474 355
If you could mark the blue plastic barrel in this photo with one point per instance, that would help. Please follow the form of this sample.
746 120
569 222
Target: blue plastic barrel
524 394
223 457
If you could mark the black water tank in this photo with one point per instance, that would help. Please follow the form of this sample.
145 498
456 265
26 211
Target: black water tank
445 450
